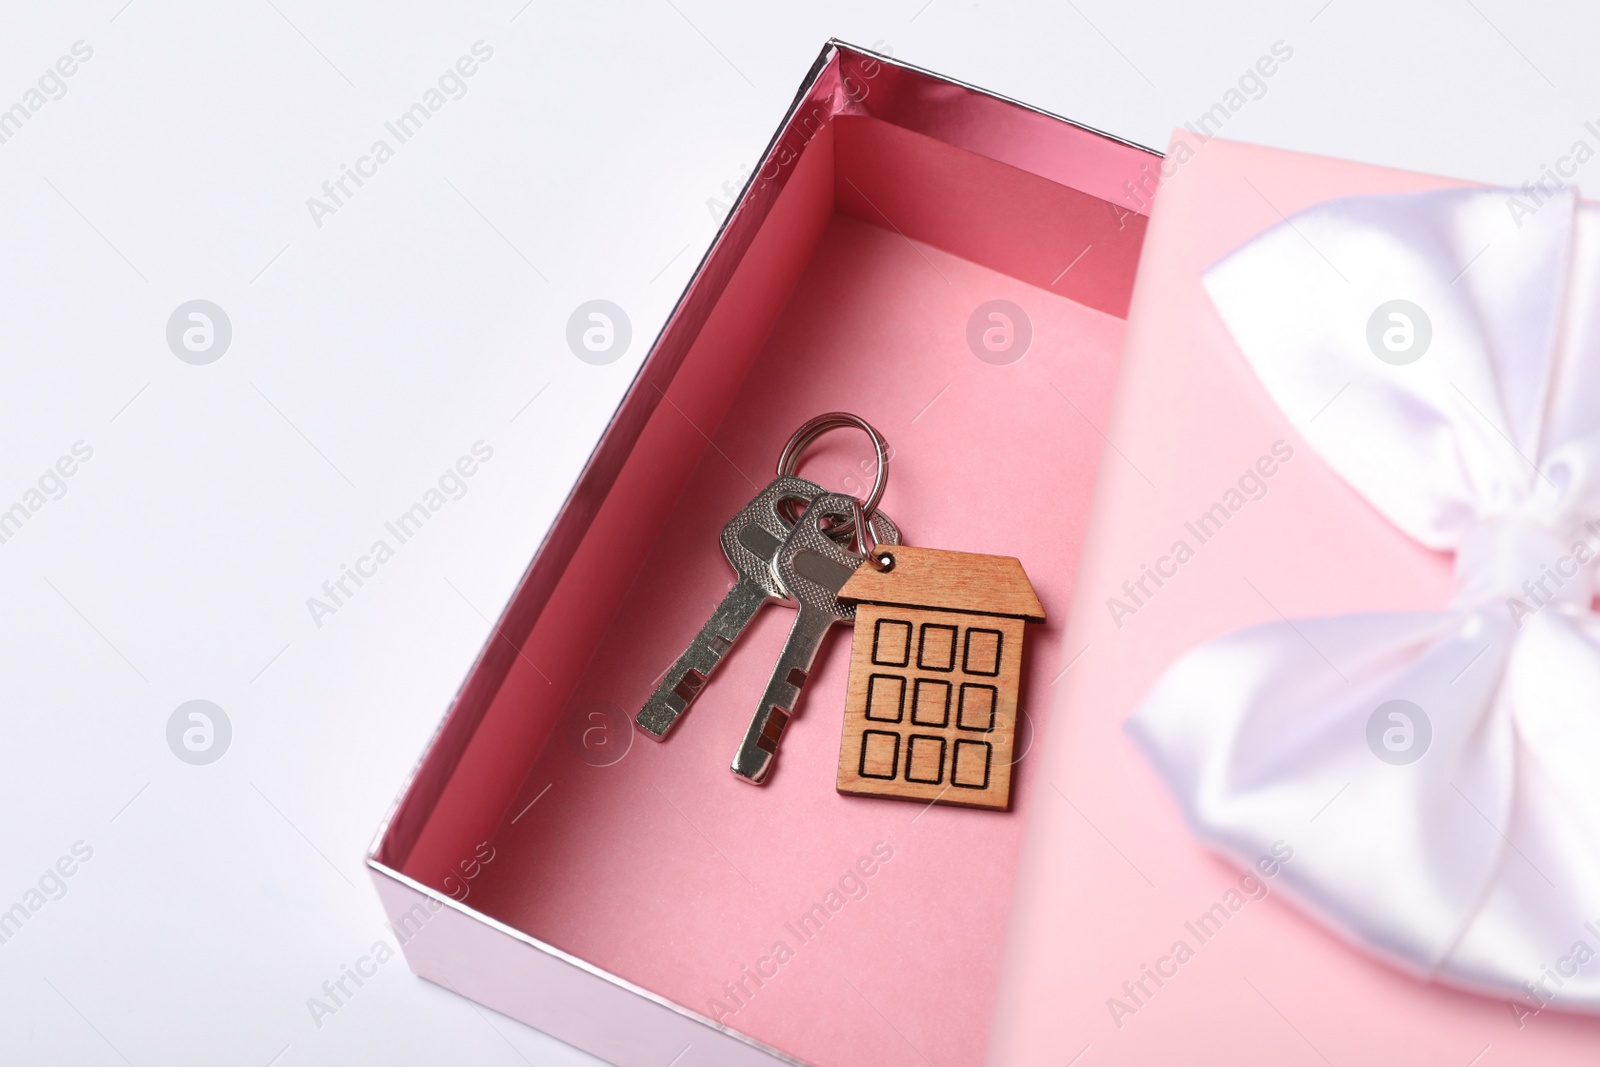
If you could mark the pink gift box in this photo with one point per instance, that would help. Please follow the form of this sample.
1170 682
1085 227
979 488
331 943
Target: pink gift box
1111 883
636 899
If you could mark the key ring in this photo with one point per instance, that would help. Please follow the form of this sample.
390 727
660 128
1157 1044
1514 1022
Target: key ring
803 438
789 460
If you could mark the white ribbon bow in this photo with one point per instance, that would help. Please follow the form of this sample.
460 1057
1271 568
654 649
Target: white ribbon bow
1459 831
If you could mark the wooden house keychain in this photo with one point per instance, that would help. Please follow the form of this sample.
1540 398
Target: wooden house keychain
935 668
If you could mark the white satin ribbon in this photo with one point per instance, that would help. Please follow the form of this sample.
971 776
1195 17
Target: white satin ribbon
1478 864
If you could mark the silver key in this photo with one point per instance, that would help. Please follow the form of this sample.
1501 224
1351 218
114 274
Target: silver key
751 541
813 568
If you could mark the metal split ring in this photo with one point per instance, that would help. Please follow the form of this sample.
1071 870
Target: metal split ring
789 460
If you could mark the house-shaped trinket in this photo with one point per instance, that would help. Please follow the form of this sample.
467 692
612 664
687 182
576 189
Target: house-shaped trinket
931 709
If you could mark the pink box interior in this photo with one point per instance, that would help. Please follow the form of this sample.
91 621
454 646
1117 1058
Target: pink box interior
833 930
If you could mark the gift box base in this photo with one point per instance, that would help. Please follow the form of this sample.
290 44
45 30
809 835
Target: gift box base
787 919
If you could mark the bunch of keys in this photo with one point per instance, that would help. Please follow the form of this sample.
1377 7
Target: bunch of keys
786 546
935 670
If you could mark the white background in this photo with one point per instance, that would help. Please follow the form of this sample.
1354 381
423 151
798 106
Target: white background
368 353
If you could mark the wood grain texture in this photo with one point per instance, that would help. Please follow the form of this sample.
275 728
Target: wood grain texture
931 704
957 581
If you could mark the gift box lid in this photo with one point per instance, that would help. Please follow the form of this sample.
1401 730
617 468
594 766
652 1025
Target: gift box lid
1128 937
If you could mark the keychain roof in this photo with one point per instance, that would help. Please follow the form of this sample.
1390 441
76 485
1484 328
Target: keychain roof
935 676
957 581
